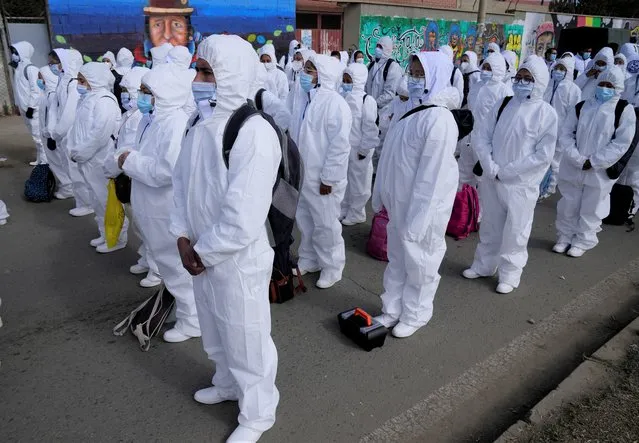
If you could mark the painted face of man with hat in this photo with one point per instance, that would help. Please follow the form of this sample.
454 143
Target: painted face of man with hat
169 22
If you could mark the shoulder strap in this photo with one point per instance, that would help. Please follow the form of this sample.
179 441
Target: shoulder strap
578 107
280 68
415 110
364 98
370 65
503 106
621 106
232 129
452 76
258 99
25 70
387 67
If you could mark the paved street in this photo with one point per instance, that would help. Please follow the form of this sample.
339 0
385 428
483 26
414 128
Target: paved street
65 377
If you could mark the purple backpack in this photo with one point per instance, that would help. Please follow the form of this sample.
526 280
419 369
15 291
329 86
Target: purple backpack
465 216
377 246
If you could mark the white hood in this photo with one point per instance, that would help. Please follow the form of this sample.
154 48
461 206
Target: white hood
50 79
269 50
25 51
329 71
98 75
437 70
170 86
569 64
292 49
539 70
511 59
387 46
629 50
359 74
234 64
132 81
159 54
495 47
615 76
448 51
622 57
402 87
343 57
180 56
111 56
606 54
71 61
124 61
472 57
498 65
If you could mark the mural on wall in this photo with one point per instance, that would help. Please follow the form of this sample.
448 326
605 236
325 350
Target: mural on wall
542 31
421 34
95 27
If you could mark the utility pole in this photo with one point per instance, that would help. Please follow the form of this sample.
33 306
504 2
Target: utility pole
481 21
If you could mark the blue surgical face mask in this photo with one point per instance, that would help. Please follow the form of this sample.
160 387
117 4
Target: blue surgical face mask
603 94
553 57
204 91
306 81
416 87
601 68
82 89
347 88
522 91
585 55
55 70
144 103
558 75
486 75
41 84
379 53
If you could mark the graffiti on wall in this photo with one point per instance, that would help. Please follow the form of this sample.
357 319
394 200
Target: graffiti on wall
412 35
542 31
94 27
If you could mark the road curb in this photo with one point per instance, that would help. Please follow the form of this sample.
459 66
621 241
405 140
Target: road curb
593 374
464 406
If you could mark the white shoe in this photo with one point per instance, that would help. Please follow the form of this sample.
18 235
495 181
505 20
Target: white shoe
470 274
80 212
104 249
349 222
151 280
138 269
326 282
504 288
61 196
307 271
242 434
175 336
97 242
387 320
402 330
34 163
3 222
576 252
560 248
213 396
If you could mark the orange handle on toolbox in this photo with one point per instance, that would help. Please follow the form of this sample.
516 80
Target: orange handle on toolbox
365 315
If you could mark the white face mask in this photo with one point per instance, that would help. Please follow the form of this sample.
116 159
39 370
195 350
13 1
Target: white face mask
297 66
269 66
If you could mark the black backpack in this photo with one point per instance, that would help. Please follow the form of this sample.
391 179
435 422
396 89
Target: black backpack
386 67
40 186
147 320
286 192
463 118
258 99
614 172
452 76
477 169
621 205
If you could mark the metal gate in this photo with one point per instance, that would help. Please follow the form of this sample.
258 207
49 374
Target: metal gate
323 41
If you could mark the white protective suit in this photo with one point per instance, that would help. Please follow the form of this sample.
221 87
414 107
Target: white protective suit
92 136
4 215
622 66
65 112
124 61
457 76
518 150
631 87
57 158
589 84
223 213
586 194
27 95
182 57
563 96
297 102
160 55
416 182
151 168
629 50
630 175
277 81
384 91
511 66
285 60
472 72
325 148
272 105
364 138
292 73
390 114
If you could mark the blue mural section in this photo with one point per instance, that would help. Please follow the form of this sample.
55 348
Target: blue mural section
94 27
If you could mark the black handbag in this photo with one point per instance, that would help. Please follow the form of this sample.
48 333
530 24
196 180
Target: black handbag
123 188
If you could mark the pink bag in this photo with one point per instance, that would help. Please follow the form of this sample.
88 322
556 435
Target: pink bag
377 246
465 216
